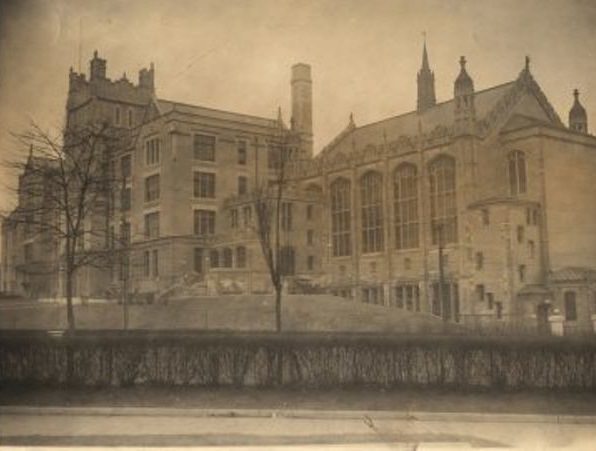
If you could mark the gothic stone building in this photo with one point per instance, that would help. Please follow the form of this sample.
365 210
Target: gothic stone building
491 180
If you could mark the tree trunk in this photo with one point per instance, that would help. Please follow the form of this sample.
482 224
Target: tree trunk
70 319
278 290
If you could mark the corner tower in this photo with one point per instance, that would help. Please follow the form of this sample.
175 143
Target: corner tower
302 106
426 84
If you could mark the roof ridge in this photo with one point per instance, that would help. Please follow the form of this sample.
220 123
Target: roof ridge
215 109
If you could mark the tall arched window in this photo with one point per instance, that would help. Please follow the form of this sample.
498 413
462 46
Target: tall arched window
341 212
517 172
405 198
443 208
371 203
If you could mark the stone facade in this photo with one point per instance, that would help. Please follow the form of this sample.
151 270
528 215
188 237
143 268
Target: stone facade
492 180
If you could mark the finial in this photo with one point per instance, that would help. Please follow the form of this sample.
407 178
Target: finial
124 76
351 118
95 54
576 94
462 62
151 66
527 62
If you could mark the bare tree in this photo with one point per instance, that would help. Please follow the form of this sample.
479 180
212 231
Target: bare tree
65 194
268 204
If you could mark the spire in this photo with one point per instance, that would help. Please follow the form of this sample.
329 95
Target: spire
578 118
426 83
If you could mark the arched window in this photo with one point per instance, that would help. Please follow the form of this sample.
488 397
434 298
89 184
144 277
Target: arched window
443 208
341 212
227 257
405 198
371 204
517 172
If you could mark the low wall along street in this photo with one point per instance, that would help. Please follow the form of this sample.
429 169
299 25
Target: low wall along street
312 360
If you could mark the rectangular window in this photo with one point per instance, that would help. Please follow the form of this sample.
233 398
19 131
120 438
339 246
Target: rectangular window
233 218
117 118
531 248
310 237
286 216
520 234
204 185
247 215
480 292
522 272
125 166
155 263
490 300
146 263
152 188
204 222
198 260
310 262
125 199
242 185
570 306
309 212
242 151
125 234
152 225
152 151
240 257
204 147
372 295
479 261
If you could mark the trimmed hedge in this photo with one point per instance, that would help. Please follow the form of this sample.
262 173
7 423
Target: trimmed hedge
314 360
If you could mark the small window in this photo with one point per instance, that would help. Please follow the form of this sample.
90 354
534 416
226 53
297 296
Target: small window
233 218
241 257
480 292
520 233
286 216
531 248
155 263
310 237
570 306
117 116
125 166
490 300
125 199
522 273
130 118
152 151
479 261
152 188
146 263
242 152
242 185
499 310
152 225
311 262
204 147
309 212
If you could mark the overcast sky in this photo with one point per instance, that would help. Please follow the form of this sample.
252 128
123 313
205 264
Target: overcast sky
236 55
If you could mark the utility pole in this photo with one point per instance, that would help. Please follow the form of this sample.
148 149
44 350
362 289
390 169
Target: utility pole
443 300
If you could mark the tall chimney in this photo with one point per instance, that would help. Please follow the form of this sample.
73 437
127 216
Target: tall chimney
302 106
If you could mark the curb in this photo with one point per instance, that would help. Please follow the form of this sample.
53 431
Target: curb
302 414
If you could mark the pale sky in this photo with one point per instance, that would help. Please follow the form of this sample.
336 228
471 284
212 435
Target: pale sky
236 55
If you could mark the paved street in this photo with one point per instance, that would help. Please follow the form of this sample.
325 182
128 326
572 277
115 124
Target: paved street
288 429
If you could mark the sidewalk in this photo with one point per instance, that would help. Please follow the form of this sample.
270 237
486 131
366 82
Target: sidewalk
385 402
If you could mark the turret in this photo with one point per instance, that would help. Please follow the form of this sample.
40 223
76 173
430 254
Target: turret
97 69
463 93
301 120
147 78
426 84
578 118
